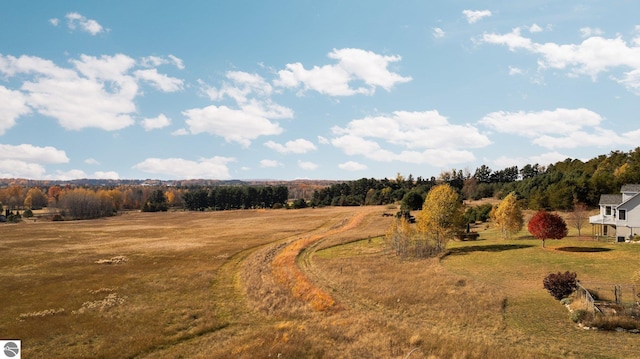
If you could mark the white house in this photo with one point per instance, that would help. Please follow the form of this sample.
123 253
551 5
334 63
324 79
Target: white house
619 214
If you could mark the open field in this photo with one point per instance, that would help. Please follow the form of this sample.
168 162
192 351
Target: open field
291 284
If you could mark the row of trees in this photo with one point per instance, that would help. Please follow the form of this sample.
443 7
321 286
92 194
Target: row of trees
442 218
17 197
554 187
235 197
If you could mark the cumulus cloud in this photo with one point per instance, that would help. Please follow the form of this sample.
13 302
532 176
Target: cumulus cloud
34 154
305 165
205 168
354 65
560 128
27 161
106 175
97 92
543 159
91 161
590 31
233 125
438 33
475 16
251 117
535 124
298 146
352 166
10 168
535 28
423 137
155 123
515 71
155 61
592 56
270 163
12 105
160 81
75 20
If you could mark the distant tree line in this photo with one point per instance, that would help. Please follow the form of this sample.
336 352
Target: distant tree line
554 187
235 197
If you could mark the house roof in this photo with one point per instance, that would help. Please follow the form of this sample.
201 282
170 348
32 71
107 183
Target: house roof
610 199
634 188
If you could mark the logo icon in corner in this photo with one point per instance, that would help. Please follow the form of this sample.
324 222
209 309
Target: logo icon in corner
11 348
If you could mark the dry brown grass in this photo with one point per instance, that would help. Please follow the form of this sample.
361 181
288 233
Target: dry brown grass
208 285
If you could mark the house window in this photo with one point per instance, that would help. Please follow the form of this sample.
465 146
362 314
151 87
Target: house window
622 214
607 210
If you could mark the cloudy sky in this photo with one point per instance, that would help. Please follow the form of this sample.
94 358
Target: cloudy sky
312 89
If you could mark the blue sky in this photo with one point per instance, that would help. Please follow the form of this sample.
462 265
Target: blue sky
312 89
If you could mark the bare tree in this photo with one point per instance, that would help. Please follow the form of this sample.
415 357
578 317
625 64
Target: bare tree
579 217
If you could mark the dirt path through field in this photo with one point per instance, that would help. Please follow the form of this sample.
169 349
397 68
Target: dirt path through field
252 300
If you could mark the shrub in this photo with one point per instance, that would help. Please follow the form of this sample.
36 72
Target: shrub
560 285
579 315
27 213
57 218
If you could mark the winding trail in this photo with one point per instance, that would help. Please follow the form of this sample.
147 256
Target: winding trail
249 280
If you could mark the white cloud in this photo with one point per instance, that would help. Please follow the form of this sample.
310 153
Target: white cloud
75 20
102 99
515 71
67 175
154 61
177 61
180 132
12 105
242 85
535 28
352 166
591 57
251 119
535 124
54 21
97 92
160 81
475 16
91 161
335 80
33 154
204 168
10 168
156 123
590 31
323 140
438 33
560 128
298 146
105 175
79 174
305 165
424 137
270 163
233 125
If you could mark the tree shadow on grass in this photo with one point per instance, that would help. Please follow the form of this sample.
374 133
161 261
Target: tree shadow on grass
583 249
487 248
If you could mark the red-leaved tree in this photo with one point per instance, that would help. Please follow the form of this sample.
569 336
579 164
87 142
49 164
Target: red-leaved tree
545 225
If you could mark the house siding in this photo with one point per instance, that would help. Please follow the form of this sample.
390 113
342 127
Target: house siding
629 201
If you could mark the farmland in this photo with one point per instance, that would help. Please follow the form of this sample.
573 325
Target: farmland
290 283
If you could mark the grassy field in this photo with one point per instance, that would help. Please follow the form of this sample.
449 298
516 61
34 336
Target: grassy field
245 284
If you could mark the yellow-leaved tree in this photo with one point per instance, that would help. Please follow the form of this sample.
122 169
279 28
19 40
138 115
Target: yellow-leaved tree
507 216
441 217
